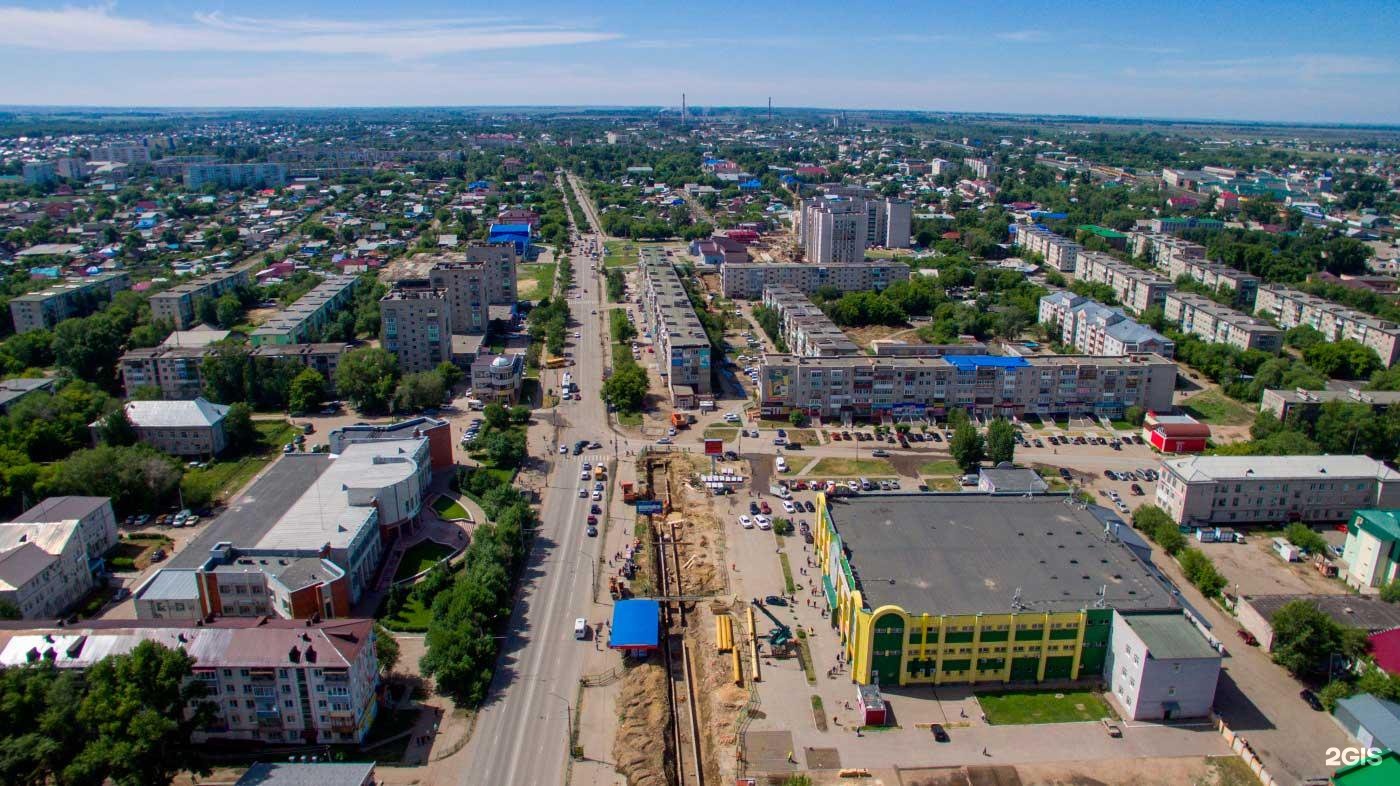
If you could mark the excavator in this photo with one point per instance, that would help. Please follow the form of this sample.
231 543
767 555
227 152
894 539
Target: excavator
780 639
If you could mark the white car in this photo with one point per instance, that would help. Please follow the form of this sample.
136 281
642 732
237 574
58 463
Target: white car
788 506
584 475
597 495
583 491
746 522
781 464
563 449
763 522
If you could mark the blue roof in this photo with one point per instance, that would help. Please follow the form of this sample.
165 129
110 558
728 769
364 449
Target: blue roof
636 623
985 361
511 229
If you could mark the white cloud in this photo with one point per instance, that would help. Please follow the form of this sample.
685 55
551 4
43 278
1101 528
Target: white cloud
101 29
1022 36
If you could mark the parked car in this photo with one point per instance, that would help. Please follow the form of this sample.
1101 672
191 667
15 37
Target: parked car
939 733
810 507
879 453
746 522
1248 638
1311 698
775 600
763 522
753 508
1112 728
763 507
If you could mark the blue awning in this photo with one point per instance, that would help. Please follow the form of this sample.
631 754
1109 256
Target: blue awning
636 623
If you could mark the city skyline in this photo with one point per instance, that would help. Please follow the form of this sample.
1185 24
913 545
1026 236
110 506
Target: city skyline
1253 62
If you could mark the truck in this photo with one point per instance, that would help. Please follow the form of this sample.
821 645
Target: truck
600 472
628 494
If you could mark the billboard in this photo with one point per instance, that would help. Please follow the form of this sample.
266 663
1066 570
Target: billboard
714 447
648 506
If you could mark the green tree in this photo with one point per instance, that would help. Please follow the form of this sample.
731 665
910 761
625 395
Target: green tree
420 391
797 418
967 447
134 710
1001 441
116 429
367 377
1390 591
386 649
1304 537
1305 637
450 374
626 389
228 311
505 449
307 392
497 416
137 478
519 414
1135 415
239 431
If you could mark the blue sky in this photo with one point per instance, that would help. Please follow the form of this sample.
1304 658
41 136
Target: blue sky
1330 61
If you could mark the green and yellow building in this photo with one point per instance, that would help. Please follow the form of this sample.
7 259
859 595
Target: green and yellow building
971 588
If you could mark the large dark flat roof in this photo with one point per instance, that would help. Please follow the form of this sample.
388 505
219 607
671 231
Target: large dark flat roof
969 553
257 509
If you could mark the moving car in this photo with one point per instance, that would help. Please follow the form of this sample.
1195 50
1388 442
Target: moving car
775 600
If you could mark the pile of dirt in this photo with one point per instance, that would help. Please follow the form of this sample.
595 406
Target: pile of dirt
641 747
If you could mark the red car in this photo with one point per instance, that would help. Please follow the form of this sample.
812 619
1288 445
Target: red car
763 506
1248 638
592 519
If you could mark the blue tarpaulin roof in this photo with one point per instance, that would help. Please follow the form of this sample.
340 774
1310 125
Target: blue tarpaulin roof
636 623
981 361
511 229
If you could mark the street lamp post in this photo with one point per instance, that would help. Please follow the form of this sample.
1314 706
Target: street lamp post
569 727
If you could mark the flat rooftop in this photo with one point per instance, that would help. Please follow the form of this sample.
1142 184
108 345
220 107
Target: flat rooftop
970 553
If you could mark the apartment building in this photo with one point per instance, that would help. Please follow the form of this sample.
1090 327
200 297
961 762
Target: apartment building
179 371
890 348
682 348
1058 252
39 173
177 304
1201 316
415 325
74 297
266 175
985 385
1215 275
122 153
181 428
295 323
1135 288
1284 403
51 555
833 230
1233 490
476 278
1175 225
1290 308
1158 247
748 280
1096 329
888 222
805 329
97 523
979 167
268 680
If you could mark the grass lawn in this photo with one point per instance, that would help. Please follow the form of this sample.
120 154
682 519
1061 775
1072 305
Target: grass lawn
541 276
940 467
1123 425
789 586
1022 707
1216 408
629 418
721 432
412 618
845 468
619 253
228 476
796 463
1056 484
941 484
449 508
420 557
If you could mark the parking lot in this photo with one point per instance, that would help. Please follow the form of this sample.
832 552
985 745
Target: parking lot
1253 568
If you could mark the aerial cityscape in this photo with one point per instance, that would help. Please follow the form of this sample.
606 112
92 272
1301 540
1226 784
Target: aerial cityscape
629 395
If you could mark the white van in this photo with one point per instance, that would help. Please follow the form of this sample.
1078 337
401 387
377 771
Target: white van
581 629
782 464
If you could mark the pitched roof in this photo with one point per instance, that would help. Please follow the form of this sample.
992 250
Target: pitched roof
175 414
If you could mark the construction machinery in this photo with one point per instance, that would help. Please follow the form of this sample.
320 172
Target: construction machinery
780 639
